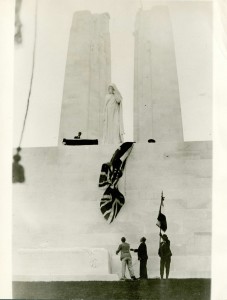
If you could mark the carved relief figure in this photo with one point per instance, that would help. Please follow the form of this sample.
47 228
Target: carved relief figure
113 130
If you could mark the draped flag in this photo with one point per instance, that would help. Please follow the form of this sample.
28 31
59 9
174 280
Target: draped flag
112 200
162 223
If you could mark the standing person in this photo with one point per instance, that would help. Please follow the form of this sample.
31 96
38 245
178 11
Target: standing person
113 130
126 258
142 257
165 254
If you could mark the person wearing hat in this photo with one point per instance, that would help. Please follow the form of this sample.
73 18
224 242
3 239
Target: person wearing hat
126 259
142 257
165 254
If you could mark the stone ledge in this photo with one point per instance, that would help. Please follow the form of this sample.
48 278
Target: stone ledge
99 277
76 263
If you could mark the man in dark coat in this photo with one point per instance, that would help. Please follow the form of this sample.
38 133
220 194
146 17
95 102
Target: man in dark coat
165 254
142 257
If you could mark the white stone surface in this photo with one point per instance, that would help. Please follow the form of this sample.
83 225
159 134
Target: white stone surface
53 277
173 65
50 264
87 76
157 112
58 205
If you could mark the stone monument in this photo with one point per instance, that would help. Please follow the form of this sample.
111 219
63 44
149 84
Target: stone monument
56 212
87 75
157 112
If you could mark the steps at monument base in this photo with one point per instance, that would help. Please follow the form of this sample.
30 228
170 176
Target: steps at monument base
62 264
54 277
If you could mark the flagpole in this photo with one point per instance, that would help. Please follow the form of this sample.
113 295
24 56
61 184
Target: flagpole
159 213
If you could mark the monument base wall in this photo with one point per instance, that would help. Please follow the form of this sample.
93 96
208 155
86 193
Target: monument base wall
57 210
59 264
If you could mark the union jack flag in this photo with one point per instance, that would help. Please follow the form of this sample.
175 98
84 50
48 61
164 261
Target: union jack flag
112 200
111 203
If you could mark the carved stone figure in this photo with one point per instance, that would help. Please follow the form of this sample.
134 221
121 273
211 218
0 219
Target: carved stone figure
113 130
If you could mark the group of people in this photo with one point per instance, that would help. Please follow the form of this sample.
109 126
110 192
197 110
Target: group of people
164 252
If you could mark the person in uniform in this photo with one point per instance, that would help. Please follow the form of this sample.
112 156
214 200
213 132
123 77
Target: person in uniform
165 254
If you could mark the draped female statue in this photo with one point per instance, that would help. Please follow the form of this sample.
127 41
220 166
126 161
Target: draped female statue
113 130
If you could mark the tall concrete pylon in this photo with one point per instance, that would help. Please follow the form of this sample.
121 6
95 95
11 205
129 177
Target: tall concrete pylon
157 112
87 76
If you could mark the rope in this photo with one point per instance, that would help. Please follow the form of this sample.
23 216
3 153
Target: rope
32 75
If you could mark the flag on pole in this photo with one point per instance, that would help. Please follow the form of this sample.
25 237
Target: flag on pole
162 223
162 199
